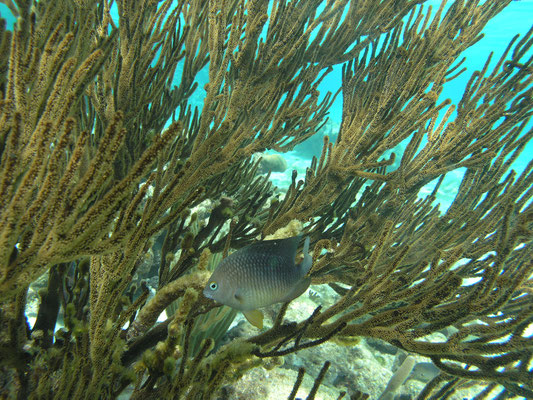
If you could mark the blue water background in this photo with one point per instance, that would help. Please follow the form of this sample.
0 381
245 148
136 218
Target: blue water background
515 19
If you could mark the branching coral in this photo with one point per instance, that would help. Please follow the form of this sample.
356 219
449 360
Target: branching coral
102 161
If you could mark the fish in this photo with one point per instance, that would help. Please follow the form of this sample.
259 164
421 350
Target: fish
424 372
259 275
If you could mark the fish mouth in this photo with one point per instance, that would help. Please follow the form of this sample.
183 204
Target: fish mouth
207 294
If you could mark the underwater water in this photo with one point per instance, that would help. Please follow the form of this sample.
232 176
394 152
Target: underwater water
370 363
513 20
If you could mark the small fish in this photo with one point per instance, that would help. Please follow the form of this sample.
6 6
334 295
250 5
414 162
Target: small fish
424 372
259 275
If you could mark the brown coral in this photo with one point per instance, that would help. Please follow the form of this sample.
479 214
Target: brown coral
90 180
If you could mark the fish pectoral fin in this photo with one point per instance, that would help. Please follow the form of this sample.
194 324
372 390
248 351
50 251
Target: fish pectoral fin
238 296
255 317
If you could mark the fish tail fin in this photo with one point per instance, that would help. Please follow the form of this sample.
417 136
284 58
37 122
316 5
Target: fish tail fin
306 263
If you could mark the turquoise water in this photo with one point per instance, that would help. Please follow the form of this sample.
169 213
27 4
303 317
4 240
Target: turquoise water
513 20
516 19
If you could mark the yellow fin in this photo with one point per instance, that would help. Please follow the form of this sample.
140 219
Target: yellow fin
255 317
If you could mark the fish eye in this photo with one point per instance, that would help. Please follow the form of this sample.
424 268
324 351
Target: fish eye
213 286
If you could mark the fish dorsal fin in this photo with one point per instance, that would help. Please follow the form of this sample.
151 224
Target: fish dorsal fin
255 317
283 248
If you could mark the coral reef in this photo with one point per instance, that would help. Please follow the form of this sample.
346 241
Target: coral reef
105 160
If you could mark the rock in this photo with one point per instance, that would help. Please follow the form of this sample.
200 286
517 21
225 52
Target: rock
276 384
